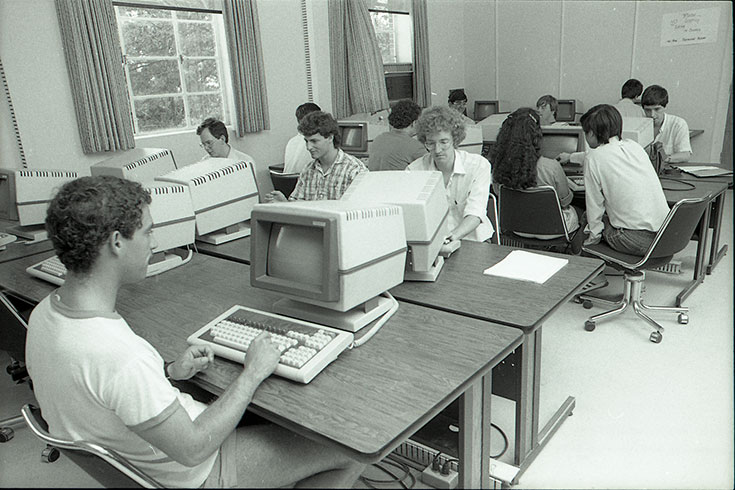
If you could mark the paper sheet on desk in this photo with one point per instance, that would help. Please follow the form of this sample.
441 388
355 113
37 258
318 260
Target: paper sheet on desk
526 266
704 170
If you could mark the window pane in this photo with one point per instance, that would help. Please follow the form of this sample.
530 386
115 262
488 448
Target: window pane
193 16
155 77
148 38
160 113
135 12
204 106
196 38
201 75
393 32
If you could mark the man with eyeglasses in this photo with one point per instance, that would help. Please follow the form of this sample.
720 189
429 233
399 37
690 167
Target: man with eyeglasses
466 175
458 102
215 140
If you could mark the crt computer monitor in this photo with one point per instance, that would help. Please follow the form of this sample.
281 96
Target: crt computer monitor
561 139
139 164
24 196
223 192
566 110
638 129
423 199
485 108
354 136
330 260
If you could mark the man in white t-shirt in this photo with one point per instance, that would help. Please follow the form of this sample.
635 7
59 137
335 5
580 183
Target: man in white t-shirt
297 156
98 381
215 140
629 94
669 131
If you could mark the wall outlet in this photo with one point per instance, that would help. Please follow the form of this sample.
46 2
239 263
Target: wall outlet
437 480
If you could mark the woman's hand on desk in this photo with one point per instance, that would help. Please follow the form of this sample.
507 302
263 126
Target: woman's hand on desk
194 359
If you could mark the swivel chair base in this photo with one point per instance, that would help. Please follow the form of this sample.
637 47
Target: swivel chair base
632 296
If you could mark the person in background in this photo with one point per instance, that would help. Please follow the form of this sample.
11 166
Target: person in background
331 170
397 147
625 202
114 386
214 139
458 101
629 93
518 164
669 131
546 107
467 176
297 156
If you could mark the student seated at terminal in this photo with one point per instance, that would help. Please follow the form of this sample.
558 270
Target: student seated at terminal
96 380
518 164
297 156
215 140
397 148
467 176
331 171
670 131
629 93
625 202
546 107
458 101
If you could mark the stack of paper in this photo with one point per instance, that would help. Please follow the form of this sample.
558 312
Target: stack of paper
704 170
527 266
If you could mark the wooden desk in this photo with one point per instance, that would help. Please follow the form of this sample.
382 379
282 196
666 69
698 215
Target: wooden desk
368 401
463 289
236 250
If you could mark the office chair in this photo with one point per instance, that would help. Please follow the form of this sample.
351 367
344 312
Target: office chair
284 182
492 214
535 211
103 464
671 238
13 328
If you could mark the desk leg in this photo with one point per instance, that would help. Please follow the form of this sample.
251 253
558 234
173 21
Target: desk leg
715 255
474 435
524 404
699 272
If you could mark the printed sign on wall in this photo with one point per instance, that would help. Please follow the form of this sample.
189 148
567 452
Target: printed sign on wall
690 27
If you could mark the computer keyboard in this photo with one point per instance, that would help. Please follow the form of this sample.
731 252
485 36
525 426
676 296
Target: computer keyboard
306 348
576 182
50 270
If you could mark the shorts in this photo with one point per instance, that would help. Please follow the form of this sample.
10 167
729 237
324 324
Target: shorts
224 471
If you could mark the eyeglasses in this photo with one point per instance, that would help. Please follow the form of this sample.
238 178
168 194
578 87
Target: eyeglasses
207 144
460 102
443 144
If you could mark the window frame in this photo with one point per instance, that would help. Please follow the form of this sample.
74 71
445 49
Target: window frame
391 70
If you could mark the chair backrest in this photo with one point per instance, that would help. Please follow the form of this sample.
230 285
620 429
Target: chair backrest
284 182
535 210
12 329
492 214
678 227
95 459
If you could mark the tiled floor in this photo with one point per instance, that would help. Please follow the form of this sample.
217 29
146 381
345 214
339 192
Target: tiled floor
646 416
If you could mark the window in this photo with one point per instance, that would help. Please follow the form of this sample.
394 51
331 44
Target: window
176 65
394 30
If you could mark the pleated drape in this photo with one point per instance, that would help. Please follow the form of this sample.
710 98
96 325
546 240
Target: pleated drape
358 81
246 63
94 62
421 75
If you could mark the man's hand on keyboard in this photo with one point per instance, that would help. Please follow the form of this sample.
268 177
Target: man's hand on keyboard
194 359
262 357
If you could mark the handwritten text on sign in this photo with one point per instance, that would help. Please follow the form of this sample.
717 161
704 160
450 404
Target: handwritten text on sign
691 27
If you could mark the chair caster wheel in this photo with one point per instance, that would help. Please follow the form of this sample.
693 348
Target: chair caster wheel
50 454
656 337
589 326
587 304
578 300
6 434
683 318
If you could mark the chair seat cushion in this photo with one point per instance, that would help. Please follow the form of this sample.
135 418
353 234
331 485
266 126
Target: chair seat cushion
621 260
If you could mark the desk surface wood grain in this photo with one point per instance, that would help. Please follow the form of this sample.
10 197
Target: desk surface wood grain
367 401
462 288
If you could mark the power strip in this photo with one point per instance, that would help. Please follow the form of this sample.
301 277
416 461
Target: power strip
438 479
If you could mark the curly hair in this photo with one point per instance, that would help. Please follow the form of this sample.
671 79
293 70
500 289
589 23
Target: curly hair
86 211
322 123
403 113
441 118
517 150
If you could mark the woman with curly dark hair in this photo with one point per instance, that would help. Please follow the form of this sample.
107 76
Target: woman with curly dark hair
517 162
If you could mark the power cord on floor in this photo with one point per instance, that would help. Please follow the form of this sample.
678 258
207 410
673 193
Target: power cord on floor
401 480
505 442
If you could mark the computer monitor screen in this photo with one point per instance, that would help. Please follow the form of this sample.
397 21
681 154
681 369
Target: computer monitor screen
223 193
25 195
485 108
423 199
557 140
331 260
566 110
354 136
399 85
139 164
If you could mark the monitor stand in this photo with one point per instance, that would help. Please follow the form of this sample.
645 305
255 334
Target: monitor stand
233 232
425 276
165 261
34 233
351 320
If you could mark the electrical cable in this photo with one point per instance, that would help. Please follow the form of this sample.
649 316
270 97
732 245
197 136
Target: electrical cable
395 478
505 442
687 185
379 324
